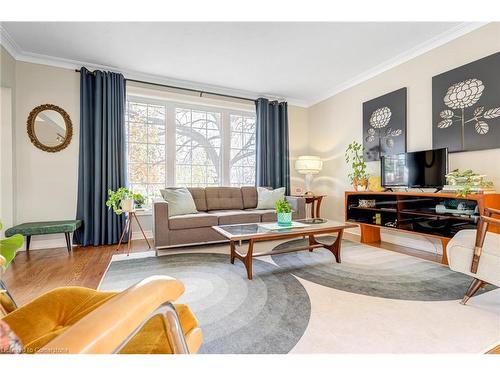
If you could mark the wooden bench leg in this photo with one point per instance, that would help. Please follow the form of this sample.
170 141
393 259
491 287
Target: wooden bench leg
68 241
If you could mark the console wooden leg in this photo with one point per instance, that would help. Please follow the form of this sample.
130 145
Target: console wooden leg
369 234
473 288
444 242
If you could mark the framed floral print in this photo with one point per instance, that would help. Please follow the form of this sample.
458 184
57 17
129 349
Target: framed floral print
384 125
466 106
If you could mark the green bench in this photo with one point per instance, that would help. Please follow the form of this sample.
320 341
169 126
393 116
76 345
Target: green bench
45 227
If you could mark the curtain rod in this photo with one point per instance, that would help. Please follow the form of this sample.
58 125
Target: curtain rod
185 89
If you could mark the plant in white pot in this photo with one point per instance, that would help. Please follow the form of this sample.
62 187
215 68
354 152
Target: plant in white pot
123 200
284 212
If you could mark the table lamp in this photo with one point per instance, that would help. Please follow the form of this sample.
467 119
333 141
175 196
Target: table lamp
308 165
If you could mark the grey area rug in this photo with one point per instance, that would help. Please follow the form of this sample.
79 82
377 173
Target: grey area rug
375 272
268 314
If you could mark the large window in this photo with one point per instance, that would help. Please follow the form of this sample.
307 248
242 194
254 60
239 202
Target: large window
242 162
198 147
146 130
177 144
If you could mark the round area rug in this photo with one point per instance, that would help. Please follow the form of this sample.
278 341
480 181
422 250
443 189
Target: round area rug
374 272
268 314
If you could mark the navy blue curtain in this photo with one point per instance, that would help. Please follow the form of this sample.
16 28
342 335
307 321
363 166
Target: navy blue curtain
102 163
273 162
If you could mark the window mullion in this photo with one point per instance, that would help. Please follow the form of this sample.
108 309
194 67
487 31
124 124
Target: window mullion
226 149
170 144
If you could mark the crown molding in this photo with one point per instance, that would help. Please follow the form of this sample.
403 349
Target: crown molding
439 40
464 28
35 58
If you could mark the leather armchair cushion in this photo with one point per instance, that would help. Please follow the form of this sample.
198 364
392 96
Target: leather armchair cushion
46 317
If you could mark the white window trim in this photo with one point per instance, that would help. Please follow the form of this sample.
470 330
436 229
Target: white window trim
170 129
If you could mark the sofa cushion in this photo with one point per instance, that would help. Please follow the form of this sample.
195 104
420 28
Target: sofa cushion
236 216
198 220
199 198
265 215
266 199
180 201
249 194
224 198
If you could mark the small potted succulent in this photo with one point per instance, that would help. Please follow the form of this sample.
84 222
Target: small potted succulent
284 212
123 200
358 176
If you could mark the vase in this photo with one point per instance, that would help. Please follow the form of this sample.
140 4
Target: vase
284 218
127 205
360 184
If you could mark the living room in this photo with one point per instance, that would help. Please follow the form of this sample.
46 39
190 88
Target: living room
338 198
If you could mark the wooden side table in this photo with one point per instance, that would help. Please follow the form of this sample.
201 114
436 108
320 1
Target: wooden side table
128 229
315 202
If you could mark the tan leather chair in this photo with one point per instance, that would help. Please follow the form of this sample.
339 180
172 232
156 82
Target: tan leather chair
78 320
477 253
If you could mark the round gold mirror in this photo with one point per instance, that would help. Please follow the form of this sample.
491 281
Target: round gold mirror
50 128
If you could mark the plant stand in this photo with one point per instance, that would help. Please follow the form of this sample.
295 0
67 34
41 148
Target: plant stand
128 229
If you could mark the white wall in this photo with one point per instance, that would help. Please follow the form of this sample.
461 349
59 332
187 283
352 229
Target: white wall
46 183
7 117
337 121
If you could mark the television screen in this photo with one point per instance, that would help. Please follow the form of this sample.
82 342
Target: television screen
415 169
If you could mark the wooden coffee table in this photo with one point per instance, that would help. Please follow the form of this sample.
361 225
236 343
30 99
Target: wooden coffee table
256 233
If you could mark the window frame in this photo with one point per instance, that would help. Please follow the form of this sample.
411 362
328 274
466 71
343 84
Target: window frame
170 131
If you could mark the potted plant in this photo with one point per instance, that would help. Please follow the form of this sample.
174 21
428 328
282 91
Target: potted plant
358 176
123 200
284 212
467 182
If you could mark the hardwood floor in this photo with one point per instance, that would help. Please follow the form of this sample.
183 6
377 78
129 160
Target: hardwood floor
38 271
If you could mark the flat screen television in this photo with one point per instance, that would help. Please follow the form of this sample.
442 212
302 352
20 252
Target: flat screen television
421 169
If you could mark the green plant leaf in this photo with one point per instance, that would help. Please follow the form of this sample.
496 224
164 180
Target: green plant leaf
9 247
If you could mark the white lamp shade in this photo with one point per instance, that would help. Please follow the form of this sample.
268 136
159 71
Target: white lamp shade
308 164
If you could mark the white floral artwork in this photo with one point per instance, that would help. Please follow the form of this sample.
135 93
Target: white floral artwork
379 119
463 95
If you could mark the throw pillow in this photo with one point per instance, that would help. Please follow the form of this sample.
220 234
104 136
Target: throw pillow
266 199
180 201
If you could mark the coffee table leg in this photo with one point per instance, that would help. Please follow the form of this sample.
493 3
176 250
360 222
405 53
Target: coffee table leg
312 241
249 259
233 250
334 247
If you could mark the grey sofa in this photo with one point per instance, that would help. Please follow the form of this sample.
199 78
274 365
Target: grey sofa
216 206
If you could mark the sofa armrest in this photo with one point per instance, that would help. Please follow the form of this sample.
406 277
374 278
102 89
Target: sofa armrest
160 223
298 206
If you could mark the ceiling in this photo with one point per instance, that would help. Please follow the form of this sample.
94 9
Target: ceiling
301 62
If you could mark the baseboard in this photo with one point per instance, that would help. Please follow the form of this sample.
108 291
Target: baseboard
54 241
418 242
